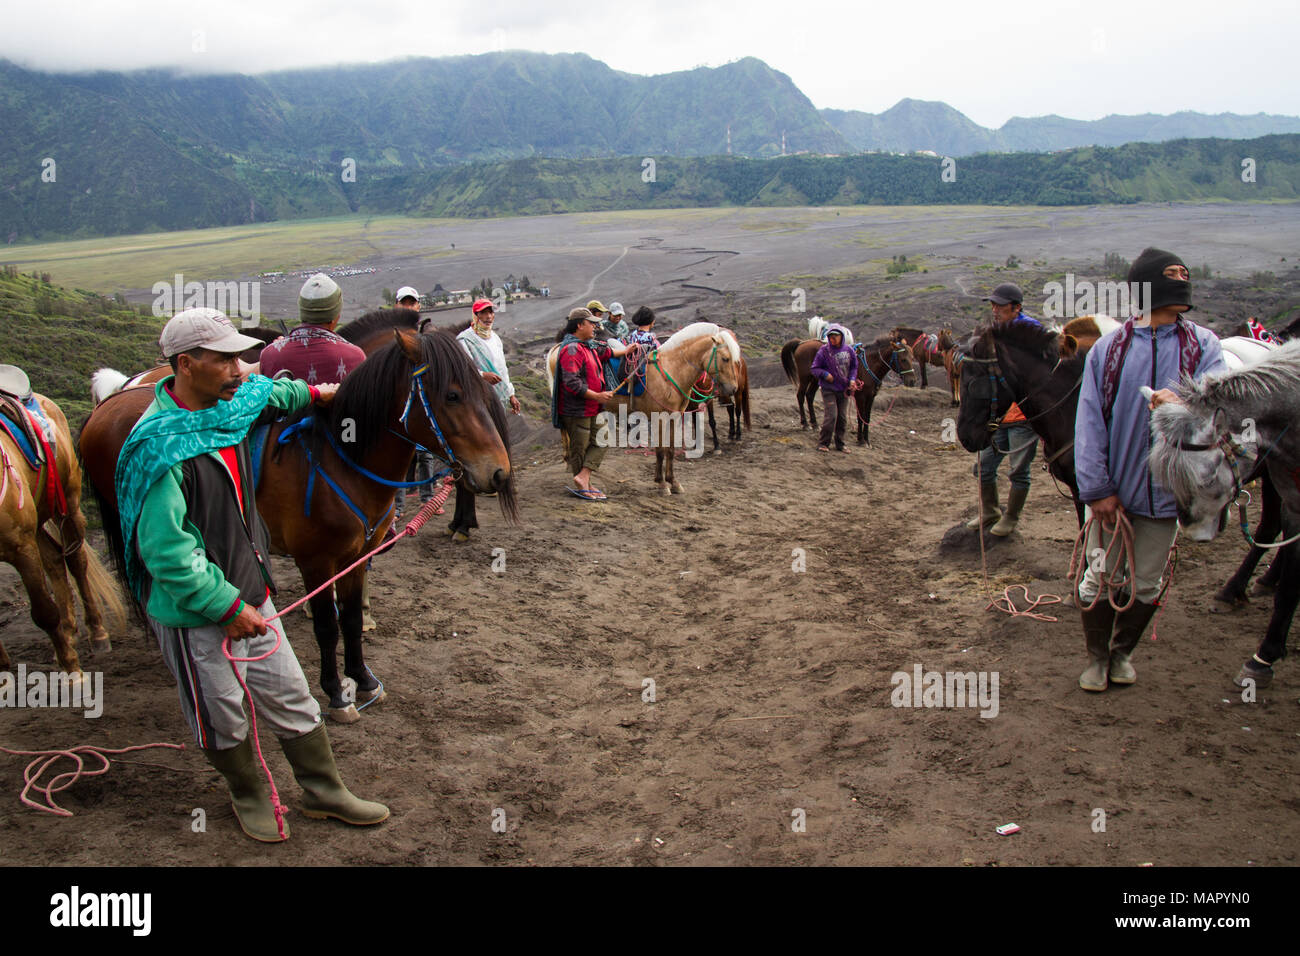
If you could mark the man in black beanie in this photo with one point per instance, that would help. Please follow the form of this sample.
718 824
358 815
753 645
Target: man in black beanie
1155 348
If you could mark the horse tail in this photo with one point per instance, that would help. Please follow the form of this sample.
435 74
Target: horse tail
105 382
104 588
787 361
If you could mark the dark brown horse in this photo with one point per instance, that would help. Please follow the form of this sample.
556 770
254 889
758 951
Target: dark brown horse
405 393
373 330
736 405
887 353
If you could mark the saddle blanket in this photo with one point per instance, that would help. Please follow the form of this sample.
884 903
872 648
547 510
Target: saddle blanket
9 422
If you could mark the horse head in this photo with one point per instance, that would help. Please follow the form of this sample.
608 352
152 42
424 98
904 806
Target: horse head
898 357
1194 458
985 396
435 397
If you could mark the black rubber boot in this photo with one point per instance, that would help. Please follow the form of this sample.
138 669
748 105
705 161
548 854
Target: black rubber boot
1097 625
1129 628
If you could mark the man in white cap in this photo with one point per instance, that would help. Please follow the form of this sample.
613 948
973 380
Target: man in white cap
195 550
407 298
313 352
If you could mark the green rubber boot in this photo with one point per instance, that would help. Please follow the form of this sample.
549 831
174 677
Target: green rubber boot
324 794
249 795
1097 625
990 512
1015 505
1129 628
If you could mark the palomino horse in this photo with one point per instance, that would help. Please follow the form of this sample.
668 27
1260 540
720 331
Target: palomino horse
372 331
797 358
1019 362
43 534
417 389
926 348
673 375
1195 456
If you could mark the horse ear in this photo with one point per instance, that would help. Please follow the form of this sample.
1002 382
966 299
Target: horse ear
406 342
1221 422
1069 345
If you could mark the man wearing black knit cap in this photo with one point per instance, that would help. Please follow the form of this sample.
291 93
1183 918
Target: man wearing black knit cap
1155 348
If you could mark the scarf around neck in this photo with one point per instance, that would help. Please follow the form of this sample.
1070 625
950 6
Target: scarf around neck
171 436
1189 357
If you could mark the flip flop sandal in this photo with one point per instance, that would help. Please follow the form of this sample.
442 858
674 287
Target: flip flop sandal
822 448
586 494
595 494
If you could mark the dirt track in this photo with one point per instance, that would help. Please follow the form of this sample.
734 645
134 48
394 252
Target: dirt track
524 690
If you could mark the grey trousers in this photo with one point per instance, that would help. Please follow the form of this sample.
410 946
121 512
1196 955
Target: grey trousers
211 698
1152 539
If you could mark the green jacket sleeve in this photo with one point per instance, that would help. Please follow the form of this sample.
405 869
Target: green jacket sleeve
289 395
173 554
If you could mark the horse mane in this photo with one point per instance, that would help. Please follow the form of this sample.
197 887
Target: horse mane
394 318
1037 340
366 394
698 329
1275 374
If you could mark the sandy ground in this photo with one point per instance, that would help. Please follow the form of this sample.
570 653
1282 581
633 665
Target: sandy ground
521 696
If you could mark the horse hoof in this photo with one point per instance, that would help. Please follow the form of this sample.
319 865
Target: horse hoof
1261 675
1226 604
101 645
371 696
663 488
677 489
1262 589
368 623
345 715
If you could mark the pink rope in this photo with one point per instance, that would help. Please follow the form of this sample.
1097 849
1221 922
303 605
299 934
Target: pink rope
47 758
4 479
429 509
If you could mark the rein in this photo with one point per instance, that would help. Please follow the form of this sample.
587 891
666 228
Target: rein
697 396
296 431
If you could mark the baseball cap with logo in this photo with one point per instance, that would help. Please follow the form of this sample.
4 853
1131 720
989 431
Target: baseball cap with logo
406 292
203 329
1005 294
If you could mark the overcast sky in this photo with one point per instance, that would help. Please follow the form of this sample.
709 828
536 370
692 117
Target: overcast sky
1015 58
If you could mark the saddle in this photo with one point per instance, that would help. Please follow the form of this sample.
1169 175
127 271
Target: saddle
21 416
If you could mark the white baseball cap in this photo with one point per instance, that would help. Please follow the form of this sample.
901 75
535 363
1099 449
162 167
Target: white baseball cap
616 308
203 329
406 292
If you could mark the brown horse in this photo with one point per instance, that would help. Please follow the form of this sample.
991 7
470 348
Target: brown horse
417 389
926 350
893 356
43 537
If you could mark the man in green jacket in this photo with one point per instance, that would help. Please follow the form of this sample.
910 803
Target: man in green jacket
196 558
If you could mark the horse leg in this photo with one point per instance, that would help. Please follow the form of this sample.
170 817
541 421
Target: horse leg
659 471
465 516
713 427
810 391
1233 594
1273 648
669 476
354 663
325 625
733 421
78 564
56 575
46 611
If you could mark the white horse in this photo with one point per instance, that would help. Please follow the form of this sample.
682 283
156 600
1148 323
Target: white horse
817 327
1195 455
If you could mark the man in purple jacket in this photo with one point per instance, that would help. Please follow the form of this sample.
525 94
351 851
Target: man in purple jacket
835 366
1111 445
